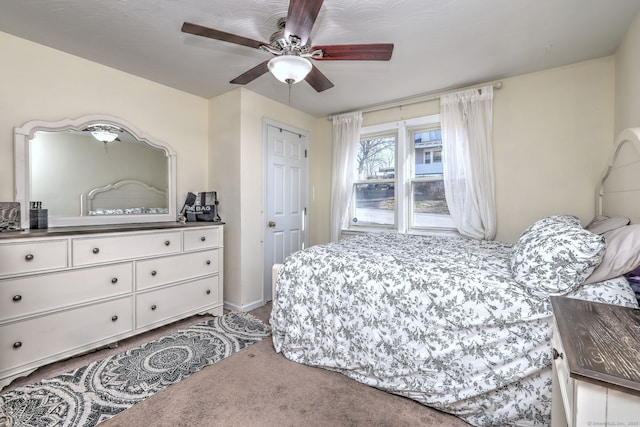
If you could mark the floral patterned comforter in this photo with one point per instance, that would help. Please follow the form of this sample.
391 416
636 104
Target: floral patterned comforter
436 319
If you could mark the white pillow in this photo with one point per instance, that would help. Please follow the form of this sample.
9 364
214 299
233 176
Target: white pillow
555 255
602 224
621 256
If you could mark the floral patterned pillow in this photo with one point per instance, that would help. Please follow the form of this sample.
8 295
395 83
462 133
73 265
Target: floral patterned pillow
555 255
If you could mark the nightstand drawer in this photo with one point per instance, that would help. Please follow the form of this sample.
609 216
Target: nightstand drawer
20 258
561 368
164 270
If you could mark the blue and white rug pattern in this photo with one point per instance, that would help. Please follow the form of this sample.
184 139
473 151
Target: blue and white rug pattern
100 390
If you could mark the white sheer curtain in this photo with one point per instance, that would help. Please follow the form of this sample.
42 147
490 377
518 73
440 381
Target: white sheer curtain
346 135
467 153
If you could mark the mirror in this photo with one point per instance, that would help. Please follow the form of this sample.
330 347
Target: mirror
94 170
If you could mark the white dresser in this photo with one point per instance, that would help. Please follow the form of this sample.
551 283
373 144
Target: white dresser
69 290
596 364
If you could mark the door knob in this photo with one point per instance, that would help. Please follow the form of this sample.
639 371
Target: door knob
271 224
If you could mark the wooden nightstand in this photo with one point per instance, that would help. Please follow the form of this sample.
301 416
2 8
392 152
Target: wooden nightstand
596 366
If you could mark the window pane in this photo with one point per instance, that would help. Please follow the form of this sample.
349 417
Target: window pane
429 203
427 145
375 204
437 156
376 158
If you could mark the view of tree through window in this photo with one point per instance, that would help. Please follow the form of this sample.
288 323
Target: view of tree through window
375 181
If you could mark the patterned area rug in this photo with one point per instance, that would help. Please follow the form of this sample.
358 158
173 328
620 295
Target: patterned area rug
102 389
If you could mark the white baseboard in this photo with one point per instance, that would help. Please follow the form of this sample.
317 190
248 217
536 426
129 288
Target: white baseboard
244 308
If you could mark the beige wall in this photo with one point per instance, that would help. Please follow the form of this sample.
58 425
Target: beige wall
627 106
552 137
225 178
552 132
37 82
236 159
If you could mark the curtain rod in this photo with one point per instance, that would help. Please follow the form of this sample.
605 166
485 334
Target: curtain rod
429 96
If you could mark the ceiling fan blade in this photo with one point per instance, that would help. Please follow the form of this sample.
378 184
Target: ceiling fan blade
252 74
317 80
355 52
301 17
199 30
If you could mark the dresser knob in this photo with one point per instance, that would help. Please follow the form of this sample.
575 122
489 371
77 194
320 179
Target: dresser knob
167 242
202 239
208 262
114 280
28 257
96 250
114 318
557 355
17 298
153 307
17 344
208 291
153 273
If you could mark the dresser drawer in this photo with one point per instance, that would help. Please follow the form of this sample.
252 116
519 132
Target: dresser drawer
29 257
561 368
32 294
95 250
176 301
28 341
202 238
160 271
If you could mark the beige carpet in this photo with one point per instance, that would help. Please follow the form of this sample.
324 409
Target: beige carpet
258 387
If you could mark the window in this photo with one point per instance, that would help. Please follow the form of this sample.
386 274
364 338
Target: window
437 155
374 184
398 177
427 157
428 202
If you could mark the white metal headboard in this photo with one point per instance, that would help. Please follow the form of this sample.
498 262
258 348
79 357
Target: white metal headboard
619 192
128 193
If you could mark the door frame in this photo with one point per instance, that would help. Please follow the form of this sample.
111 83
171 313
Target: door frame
266 122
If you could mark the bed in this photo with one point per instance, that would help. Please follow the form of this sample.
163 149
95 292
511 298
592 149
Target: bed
460 325
125 197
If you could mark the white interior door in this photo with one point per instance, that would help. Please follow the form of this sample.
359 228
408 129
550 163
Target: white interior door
285 219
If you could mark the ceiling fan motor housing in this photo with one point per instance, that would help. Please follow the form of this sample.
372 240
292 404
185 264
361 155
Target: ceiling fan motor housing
287 45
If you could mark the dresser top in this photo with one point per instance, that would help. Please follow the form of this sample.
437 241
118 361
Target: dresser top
601 342
92 229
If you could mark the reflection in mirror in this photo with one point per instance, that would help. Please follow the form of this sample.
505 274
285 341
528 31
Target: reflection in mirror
81 164
95 170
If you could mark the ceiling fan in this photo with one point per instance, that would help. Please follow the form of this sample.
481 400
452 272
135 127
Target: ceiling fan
292 48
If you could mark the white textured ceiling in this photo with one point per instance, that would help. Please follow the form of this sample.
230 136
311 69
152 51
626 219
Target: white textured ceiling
439 44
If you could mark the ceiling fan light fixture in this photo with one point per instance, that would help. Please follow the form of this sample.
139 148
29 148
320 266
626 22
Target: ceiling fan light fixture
104 135
289 68
103 132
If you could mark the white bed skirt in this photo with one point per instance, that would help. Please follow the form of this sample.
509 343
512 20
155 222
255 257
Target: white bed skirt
274 278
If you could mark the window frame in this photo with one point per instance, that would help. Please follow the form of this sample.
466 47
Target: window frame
404 178
352 204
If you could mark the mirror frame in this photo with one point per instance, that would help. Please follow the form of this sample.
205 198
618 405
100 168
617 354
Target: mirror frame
23 181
